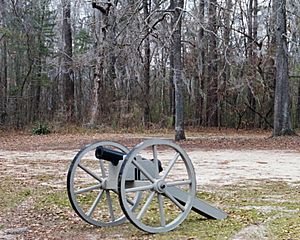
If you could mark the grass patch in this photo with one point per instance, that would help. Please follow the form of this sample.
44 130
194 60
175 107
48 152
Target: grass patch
13 192
197 227
52 199
272 204
286 227
45 178
245 206
264 193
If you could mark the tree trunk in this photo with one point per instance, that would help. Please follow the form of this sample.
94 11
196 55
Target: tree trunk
105 48
67 72
227 58
178 82
282 121
212 98
172 89
251 46
200 99
95 97
146 69
298 108
36 113
97 69
110 44
3 66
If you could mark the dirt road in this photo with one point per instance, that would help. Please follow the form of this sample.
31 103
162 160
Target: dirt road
218 167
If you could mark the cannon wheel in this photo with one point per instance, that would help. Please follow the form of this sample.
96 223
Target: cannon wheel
158 210
85 185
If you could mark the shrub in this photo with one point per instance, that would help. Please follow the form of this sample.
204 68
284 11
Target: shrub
41 129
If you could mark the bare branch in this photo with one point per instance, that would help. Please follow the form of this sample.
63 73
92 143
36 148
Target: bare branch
104 10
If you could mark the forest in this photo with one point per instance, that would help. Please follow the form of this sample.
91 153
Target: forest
145 63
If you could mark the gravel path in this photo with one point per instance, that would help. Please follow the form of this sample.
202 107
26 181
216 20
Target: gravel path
218 167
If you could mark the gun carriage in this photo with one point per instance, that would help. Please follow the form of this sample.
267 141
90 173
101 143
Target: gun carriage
152 185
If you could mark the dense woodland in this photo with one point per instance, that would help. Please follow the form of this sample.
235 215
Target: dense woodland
129 63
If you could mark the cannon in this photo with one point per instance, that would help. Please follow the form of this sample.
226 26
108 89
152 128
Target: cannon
153 185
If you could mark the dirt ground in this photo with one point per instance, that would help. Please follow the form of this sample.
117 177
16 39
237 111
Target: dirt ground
220 158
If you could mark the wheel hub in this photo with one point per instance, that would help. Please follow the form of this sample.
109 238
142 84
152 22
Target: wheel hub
160 186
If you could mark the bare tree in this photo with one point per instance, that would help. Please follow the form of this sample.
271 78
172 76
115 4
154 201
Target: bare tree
146 69
251 60
201 83
105 59
177 7
3 63
97 68
67 71
282 121
213 104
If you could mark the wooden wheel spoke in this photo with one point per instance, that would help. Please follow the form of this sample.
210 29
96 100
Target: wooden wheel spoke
146 206
90 172
178 183
87 189
110 207
175 201
171 164
95 203
140 188
161 210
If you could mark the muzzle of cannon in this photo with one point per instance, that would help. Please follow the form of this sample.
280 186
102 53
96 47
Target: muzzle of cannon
109 155
152 185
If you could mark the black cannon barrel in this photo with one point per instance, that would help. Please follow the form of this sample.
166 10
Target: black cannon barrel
108 154
115 156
